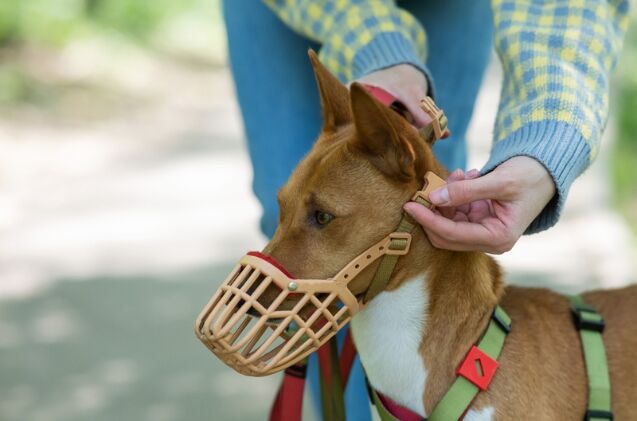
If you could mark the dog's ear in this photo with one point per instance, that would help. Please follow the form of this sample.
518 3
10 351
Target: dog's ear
334 96
383 136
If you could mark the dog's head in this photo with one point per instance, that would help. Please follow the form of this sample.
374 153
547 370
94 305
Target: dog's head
348 191
343 199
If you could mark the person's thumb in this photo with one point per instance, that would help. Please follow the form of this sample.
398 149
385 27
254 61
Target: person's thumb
459 193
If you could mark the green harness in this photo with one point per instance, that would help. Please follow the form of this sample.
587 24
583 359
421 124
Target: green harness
591 325
470 381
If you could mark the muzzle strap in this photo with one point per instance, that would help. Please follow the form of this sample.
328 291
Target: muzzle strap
388 262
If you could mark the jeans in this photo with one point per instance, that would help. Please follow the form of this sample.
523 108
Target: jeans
281 110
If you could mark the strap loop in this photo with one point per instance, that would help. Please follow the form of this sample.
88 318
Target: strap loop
591 325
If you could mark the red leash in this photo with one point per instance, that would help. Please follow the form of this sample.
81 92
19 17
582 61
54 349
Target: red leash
288 404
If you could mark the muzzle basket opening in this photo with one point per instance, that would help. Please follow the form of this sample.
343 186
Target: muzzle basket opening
257 326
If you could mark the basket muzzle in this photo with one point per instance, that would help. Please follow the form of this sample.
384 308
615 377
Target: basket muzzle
261 320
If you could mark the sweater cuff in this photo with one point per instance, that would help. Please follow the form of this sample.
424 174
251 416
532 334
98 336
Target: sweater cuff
559 147
385 50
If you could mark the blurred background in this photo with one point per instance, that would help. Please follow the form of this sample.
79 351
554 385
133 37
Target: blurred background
125 199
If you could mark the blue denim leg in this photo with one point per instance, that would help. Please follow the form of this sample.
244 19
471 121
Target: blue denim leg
281 113
459 37
277 95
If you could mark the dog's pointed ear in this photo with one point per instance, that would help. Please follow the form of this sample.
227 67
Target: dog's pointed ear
334 96
382 135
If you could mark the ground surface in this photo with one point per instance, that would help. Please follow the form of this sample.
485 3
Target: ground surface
125 199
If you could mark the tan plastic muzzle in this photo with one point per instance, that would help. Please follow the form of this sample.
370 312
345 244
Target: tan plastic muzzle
261 320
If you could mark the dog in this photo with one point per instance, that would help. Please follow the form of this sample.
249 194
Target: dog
348 192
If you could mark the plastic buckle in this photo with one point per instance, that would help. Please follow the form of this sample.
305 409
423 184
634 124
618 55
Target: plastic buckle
424 199
432 182
401 250
592 414
429 106
478 368
583 323
504 325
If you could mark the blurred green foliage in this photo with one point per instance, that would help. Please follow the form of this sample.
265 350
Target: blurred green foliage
55 22
624 157
186 27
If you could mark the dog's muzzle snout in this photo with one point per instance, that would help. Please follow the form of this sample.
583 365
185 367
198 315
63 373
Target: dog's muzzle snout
262 320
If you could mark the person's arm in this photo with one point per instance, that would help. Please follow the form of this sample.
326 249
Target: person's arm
373 41
557 57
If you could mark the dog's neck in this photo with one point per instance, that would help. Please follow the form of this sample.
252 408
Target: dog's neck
439 301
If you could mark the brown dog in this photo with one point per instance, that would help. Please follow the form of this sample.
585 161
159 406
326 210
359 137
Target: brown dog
348 193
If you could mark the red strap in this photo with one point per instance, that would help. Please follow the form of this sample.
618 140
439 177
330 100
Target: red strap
323 355
380 94
348 354
397 410
271 260
288 404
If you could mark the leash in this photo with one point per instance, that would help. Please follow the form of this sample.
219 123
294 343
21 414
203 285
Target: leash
334 374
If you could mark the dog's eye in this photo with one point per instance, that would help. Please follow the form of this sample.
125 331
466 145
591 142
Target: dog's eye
323 218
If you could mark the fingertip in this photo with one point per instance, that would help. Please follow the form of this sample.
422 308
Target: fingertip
473 173
440 196
456 175
409 208
416 210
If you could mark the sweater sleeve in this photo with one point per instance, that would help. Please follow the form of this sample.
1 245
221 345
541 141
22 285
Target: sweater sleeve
357 36
556 56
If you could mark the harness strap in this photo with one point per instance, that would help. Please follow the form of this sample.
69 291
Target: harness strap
464 390
590 325
388 261
470 380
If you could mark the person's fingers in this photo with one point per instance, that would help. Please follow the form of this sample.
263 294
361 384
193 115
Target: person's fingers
466 191
460 217
445 244
469 175
420 118
450 211
480 209
472 173
473 235
457 175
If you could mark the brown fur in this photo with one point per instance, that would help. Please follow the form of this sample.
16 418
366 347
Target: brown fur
365 165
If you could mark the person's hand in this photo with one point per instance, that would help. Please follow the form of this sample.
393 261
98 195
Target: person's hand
407 84
487 213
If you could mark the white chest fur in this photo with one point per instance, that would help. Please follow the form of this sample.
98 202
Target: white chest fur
387 334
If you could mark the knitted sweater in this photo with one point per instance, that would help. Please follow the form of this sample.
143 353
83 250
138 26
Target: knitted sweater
556 56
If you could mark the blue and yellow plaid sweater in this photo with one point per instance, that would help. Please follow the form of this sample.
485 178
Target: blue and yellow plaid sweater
556 57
